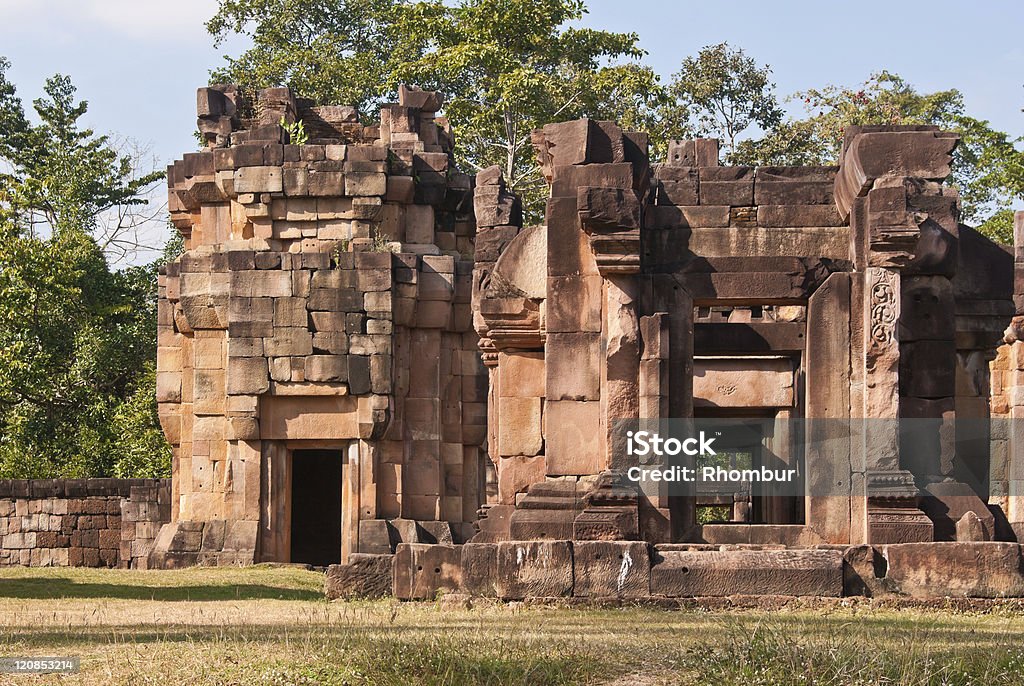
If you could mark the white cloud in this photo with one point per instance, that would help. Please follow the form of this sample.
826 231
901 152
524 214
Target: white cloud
132 19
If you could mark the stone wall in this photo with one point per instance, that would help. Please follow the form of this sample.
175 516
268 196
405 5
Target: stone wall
81 522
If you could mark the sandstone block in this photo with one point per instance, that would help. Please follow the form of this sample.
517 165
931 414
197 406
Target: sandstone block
325 183
326 368
289 341
611 569
534 569
247 376
567 143
365 576
517 473
960 569
521 374
572 435
365 183
732 186
794 186
290 312
400 189
419 224
798 215
573 369
574 304
422 570
480 569
330 342
684 574
259 180
568 179
359 374
519 432
328 321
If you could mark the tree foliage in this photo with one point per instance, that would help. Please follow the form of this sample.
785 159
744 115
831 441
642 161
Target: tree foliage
77 386
721 93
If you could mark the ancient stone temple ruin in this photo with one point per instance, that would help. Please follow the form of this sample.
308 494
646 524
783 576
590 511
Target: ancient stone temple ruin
366 358
318 372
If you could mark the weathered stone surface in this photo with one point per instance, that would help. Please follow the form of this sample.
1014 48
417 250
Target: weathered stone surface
863 571
573 440
247 376
520 430
611 569
684 574
969 528
423 570
873 152
960 569
798 215
534 569
480 569
794 185
736 383
517 473
573 366
727 186
364 576
574 304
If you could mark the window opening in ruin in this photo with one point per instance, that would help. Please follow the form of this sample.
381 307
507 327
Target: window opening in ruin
726 502
316 507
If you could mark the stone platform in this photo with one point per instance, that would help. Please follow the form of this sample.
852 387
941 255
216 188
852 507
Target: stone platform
638 571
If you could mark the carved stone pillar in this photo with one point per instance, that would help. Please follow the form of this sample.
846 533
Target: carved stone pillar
905 233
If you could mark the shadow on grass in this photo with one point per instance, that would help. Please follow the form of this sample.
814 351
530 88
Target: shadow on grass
57 588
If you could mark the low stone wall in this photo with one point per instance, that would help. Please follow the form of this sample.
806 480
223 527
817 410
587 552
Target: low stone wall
81 522
634 570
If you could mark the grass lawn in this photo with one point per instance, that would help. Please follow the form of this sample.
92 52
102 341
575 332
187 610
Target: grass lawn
272 626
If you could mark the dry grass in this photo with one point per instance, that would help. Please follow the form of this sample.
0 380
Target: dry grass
271 626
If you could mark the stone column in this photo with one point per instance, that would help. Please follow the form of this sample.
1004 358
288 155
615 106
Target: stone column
621 368
903 225
827 364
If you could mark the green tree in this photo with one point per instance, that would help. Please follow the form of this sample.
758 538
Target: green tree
721 93
77 339
987 167
505 67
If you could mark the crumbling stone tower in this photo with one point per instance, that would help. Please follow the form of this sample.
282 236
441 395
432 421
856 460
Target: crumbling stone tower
318 375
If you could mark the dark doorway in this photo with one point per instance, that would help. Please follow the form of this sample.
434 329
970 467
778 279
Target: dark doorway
316 507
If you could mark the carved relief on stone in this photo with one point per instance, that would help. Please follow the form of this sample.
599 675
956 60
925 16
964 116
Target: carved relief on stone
881 368
883 287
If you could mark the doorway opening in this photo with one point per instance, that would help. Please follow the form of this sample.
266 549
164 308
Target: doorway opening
316 507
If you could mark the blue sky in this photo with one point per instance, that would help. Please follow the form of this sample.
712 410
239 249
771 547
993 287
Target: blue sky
138 62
